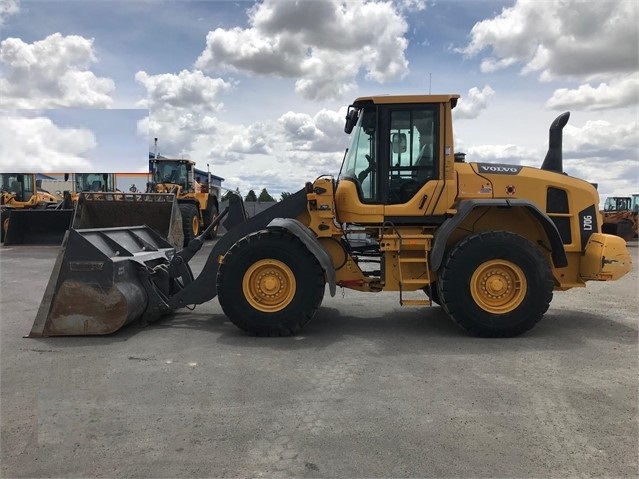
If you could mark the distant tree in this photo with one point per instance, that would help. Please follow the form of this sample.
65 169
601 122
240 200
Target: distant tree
264 196
284 195
251 197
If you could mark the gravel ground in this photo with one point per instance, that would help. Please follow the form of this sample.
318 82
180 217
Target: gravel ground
368 389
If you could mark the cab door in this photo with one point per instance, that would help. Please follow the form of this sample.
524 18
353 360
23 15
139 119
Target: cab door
412 177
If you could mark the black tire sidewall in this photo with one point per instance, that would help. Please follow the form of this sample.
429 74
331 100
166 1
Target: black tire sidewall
210 215
188 211
455 290
272 245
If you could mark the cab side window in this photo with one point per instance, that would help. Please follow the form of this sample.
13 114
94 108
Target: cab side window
413 145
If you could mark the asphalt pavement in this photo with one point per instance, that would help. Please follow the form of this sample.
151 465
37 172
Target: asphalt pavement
368 389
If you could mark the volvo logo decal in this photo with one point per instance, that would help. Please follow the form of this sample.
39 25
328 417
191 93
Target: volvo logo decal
496 169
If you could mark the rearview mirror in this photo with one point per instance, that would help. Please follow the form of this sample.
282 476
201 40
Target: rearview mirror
351 119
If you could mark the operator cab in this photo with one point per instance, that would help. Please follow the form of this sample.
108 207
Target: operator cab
94 182
617 203
390 162
396 156
18 184
174 172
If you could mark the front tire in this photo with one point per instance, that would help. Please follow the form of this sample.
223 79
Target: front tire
496 284
269 284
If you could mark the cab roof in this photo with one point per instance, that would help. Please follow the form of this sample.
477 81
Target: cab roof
399 99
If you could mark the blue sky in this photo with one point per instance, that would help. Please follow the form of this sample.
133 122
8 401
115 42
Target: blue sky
258 89
118 141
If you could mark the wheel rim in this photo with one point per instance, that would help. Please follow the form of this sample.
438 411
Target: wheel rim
269 285
498 286
195 226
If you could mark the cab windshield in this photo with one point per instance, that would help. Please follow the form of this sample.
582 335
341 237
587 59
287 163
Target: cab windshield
171 172
617 204
359 164
93 182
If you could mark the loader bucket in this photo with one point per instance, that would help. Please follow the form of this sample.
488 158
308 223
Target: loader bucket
37 227
159 211
96 285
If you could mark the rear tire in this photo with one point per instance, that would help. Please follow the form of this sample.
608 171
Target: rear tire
190 222
269 284
495 284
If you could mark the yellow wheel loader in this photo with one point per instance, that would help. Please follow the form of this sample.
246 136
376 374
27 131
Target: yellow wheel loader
199 207
488 242
94 202
29 214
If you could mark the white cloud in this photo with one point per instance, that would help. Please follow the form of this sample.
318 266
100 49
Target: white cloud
470 106
323 132
511 154
323 44
187 90
618 93
569 38
8 8
52 73
252 140
183 108
411 5
185 114
620 179
42 146
602 139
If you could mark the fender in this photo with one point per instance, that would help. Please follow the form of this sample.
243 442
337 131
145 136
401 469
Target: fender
558 254
304 234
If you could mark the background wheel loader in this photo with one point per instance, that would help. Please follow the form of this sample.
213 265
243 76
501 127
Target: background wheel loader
487 242
94 202
620 216
199 206
29 214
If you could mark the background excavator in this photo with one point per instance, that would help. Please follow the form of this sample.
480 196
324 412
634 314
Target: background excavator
620 216
487 242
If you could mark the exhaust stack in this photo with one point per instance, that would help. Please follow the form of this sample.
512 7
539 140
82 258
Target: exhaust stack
554 159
